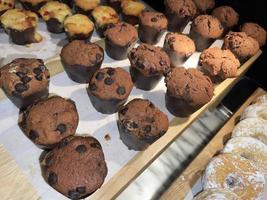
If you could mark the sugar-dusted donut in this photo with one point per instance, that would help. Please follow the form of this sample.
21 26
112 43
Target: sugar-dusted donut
252 127
255 110
233 172
216 194
250 148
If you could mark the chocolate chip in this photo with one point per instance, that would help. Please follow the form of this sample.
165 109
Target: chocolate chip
49 161
110 26
151 105
20 74
140 64
154 19
52 178
42 67
152 71
123 111
99 76
20 87
26 79
33 135
73 194
95 145
147 129
162 62
108 81
39 77
62 144
81 190
130 125
230 181
121 90
92 87
98 56
111 71
61 128
81 148
37 71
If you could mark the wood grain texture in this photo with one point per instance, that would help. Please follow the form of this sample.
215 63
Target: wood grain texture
183 184
13 183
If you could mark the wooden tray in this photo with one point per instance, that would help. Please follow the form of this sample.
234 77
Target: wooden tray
188 178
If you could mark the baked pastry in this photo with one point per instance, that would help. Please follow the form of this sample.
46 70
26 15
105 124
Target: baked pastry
78 27
232 172
33 5
54 13
109 89
204 6
103 17
216 194
255 31
81 59
255 110
250 148
50 120
24 81
261 99
120 38
179 47
242 45
218 62
148 65
179 13
152 26
140 124
21 26
131 10
86 6
187 91
204 30
76 167
251 127
6 5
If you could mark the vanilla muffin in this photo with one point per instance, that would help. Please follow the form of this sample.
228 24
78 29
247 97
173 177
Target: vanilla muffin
79 27
86 6
103 16
131 10
54 13
21 26
33 5
6 5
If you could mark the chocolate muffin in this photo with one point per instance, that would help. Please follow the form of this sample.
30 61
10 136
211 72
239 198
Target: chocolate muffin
255 31
179 13
6 5
86 6
131 10
33 5
227 16
109 89
120 39
76 167
81 59
179 47
218 62
151 27
204 6
187 91
24 81
242 45
54 13
50 120
78 27
21 26
140 124
205 29
148 65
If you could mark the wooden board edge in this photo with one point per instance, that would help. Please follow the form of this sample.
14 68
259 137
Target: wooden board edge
186 180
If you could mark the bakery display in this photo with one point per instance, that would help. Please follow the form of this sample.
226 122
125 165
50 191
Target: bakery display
81 60
204 6
152 26
54 13
86 6
21 26
76 167
216 193
120 38
148 65
131 10
205 29
187 91
255 31
140 124
6 5
109 89
24 81
49 121
78 27
179 47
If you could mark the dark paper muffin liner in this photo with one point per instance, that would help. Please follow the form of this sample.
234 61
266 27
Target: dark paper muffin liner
149 34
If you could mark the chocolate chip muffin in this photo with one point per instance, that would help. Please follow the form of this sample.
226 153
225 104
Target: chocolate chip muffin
140 124
205 29
179 47
81 59
187 91
120 38
50 120
218 62
131 10
21 26
148 65
204 6
78 27
86 6
33 5
179 13
255 31
54 13
24 81
152 26
109 89
76 167
242 45
6 5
